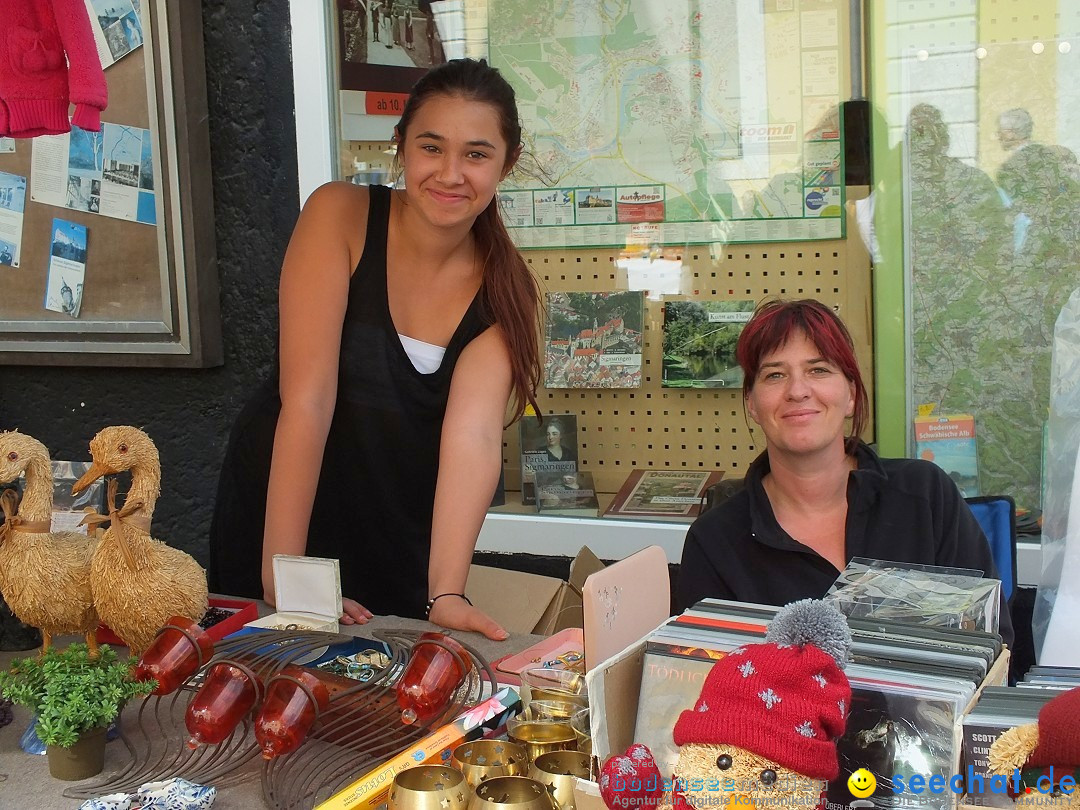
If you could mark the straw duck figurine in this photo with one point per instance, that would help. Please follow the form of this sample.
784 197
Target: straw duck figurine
44 575
138 582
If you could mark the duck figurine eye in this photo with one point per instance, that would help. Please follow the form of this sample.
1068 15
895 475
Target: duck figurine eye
723 762
13 456
768 777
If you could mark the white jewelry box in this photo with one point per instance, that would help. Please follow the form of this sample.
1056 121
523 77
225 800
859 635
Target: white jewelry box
308 591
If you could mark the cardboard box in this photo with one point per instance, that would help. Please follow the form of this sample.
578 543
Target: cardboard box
531 603
243 611
615 686
308 594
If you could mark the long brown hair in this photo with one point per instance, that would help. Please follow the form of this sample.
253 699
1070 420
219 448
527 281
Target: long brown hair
509 292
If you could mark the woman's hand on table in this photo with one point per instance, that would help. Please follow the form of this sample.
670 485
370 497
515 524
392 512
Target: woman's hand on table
457 614
353 612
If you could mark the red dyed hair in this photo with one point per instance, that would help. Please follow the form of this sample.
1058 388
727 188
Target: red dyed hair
775 321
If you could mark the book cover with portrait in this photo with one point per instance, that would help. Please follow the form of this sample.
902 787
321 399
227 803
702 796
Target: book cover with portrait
548 445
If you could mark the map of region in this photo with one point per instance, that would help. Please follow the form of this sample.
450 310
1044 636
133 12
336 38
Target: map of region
625 92
631 108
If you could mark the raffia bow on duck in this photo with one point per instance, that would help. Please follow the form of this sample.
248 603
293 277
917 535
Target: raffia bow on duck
138 582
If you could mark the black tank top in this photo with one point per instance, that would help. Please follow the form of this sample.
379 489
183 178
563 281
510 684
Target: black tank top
374 502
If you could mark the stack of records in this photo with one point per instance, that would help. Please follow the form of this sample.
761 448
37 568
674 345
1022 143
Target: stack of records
1059 679
910 687
999 709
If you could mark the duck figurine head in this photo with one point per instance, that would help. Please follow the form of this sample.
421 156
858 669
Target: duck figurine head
122 447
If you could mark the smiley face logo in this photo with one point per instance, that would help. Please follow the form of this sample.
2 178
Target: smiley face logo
862 783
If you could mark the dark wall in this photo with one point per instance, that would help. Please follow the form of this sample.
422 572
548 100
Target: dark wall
188 413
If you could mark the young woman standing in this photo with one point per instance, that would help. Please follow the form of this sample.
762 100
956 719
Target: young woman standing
408 320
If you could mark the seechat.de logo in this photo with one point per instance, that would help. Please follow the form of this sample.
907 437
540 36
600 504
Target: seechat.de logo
862 783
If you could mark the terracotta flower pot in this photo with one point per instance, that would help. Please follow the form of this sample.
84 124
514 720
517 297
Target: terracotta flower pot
82 760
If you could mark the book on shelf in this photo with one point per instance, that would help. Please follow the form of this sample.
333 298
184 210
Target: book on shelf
665 495
594 339
699 343
948 440
548 445
568 494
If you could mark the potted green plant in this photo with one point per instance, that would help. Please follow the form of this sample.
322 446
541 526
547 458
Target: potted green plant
74 697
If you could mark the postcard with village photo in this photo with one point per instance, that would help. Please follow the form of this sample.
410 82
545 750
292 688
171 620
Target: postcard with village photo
593 339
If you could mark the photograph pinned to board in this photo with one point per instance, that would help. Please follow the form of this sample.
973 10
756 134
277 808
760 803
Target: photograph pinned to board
67 268
109 172
699 343
593 339
12 203
7 145
117 28
385 46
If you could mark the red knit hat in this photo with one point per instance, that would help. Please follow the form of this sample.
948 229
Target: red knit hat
785 700
1059 732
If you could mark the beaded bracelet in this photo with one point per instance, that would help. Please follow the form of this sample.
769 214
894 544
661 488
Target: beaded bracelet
431 602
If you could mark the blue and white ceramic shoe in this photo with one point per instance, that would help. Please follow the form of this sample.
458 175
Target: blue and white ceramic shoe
114 801
176 794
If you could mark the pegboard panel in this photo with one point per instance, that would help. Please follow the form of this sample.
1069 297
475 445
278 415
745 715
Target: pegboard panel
376 154
680 428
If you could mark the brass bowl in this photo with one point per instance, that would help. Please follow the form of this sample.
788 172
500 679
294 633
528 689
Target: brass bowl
540 737
511 793
486 759
560 770
429 787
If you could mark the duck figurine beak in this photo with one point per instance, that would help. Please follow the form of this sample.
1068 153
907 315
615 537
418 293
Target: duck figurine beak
90 476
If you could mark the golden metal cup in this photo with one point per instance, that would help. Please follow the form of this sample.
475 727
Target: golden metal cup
560 770
486 759
511 793
429 787
539 737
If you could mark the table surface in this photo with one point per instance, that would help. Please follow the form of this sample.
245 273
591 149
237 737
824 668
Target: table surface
25 783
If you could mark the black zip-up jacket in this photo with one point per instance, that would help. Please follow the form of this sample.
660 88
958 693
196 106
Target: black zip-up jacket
903 510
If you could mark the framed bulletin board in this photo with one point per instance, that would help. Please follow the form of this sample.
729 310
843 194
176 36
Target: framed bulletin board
138 241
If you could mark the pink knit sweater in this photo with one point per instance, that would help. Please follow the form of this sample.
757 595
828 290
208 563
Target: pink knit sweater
36 83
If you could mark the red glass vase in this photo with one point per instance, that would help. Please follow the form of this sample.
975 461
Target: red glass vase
432 676
175 655
221 703
288 712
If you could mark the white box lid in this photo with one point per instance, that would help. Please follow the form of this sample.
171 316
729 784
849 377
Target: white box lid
307 585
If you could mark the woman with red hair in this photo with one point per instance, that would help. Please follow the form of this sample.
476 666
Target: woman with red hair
818 495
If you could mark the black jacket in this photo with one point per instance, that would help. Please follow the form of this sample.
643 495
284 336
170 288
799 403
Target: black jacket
903 510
